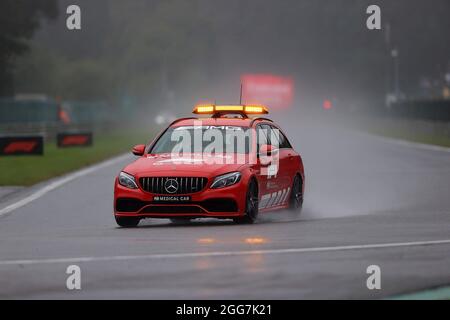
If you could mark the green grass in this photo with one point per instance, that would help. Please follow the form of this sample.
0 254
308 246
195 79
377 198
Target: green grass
439 140
442 293
28 170
414 130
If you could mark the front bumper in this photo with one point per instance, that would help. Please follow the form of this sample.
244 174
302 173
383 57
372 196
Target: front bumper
218 203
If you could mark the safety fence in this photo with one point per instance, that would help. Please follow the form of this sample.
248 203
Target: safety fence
26 123
48 117
433 110
16 111
13 111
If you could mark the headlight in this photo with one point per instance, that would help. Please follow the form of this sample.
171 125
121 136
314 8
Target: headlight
127 180
226 180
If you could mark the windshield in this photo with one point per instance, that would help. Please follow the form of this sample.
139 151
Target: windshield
204 139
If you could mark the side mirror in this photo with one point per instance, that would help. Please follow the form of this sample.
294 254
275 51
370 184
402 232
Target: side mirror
138 150
267 150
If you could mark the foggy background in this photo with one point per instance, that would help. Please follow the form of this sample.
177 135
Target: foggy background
148 55
135 65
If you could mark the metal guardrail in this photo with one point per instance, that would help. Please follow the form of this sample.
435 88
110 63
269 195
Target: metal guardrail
50 130
44 117
27 111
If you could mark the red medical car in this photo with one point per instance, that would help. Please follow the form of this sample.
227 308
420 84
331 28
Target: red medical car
229 162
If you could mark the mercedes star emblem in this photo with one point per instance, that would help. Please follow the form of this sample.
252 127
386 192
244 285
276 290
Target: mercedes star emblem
171 185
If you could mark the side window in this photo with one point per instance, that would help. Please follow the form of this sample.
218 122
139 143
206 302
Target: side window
282 140
274 136
262 136
285 143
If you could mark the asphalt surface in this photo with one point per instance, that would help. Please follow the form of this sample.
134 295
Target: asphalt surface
361 190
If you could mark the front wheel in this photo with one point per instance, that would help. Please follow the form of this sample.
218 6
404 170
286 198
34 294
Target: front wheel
251 205
296 199
127 222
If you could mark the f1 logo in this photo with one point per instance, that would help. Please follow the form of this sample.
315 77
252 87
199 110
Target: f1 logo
74 139
21 145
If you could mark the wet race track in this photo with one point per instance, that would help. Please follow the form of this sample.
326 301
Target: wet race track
368 201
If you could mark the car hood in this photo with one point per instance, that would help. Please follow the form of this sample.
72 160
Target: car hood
191 165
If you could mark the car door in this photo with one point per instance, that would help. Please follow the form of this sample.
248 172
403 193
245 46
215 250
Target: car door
267 187
285 164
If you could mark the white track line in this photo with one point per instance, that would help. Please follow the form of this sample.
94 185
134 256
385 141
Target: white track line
58 183
221 253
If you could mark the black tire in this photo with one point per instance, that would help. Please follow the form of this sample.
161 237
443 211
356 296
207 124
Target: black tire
251 205
296 198
127 222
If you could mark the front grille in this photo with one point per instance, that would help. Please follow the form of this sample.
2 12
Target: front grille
183 185
211 205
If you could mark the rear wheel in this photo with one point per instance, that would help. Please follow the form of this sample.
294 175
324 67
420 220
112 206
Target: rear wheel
296 199
127 222
251 204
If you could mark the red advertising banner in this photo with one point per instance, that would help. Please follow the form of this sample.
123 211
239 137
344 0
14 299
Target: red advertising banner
74 139
21 145
274 91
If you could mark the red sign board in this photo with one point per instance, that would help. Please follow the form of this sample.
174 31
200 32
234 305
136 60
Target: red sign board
74 139
274 91
21 145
